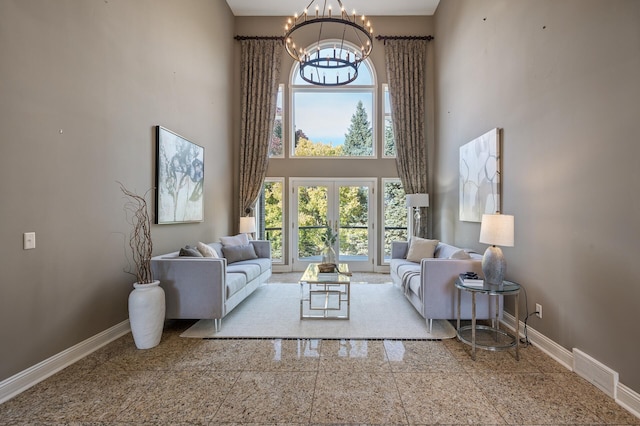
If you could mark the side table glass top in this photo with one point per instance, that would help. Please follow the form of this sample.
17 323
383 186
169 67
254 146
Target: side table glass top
507 287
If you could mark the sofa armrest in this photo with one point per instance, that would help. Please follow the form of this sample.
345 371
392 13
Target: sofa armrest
399 249
439 294
262 247
195 287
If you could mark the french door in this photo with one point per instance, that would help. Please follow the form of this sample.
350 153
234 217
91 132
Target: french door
346 208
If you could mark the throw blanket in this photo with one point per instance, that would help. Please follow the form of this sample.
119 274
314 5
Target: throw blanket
406 277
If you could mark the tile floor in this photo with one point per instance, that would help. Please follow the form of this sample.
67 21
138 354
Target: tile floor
192 381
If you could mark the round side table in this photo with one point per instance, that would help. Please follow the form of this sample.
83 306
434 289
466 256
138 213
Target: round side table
488 337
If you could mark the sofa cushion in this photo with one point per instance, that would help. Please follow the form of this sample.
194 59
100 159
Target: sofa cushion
189 252
250 270
205 250
234 283
263 263
238 253
236 240
421 248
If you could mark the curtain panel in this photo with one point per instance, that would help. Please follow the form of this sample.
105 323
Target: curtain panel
260 74
406 71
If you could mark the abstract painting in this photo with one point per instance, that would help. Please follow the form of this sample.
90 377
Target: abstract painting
480 177
179 179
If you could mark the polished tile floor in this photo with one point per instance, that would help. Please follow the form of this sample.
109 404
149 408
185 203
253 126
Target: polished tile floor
192 381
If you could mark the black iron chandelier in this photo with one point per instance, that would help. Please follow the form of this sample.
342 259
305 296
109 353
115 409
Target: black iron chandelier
324 65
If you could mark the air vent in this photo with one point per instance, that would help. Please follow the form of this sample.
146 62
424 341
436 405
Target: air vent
595 372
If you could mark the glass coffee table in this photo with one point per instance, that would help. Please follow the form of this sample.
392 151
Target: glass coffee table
325 295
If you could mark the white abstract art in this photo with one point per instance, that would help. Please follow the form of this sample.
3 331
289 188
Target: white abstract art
179 179
480 177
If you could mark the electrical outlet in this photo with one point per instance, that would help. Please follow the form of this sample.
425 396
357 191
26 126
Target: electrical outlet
539 310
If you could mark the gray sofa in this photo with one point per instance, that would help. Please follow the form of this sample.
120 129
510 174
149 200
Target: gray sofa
429 284
209 288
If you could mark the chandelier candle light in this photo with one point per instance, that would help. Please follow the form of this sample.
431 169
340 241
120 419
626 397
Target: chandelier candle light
318 65
497 230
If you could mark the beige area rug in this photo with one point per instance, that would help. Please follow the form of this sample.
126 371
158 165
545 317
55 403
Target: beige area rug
378 311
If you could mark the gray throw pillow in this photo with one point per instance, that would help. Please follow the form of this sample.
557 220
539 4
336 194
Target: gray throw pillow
189 251
238 253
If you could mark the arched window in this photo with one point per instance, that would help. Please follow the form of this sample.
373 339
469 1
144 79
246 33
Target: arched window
333 121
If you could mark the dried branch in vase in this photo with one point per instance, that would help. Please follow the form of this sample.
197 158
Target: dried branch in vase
140 237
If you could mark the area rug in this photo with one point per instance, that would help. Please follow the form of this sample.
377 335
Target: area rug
378 311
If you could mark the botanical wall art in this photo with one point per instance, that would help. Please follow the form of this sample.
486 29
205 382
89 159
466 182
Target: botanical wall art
480 177
179 179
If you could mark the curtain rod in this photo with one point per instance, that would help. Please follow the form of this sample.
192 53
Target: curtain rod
239 37
385 38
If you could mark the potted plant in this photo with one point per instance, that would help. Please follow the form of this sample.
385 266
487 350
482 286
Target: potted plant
328 240
146 300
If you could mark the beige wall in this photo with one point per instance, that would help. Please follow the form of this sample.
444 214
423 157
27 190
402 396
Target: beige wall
82 83
561 79
292 167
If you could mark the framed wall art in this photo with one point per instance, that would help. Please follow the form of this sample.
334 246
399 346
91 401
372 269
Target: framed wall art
480 182
179 179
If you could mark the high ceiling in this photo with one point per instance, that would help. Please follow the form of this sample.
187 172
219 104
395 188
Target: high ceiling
369 7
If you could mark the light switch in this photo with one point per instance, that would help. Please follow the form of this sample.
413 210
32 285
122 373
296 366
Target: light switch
29 240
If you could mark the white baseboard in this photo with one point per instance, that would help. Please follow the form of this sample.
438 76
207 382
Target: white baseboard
37 373
590 369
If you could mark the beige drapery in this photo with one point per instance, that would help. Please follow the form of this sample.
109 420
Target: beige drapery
406 63
260 64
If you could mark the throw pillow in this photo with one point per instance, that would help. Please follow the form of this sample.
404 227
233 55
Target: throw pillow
238 253
236 240
189 252
460 254
421 248
205 250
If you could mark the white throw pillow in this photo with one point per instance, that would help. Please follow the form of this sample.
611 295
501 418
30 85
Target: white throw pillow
421 248
236 240
206 250
460 254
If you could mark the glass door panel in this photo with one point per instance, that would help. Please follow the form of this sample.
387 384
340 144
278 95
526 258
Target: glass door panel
343 206
353 225
312 214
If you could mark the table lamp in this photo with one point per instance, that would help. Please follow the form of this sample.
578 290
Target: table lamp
497 230
416 201
248 226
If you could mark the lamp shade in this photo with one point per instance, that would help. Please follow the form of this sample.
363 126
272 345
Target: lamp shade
417 200
497 229
247 225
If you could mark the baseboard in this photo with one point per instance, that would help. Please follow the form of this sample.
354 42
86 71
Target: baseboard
590 369
37 373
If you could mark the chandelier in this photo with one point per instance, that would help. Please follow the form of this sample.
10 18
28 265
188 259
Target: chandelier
335 65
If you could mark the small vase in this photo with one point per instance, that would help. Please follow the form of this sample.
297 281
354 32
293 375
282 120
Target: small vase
328 255
146 314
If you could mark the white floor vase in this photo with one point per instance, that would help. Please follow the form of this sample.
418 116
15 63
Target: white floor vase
146 314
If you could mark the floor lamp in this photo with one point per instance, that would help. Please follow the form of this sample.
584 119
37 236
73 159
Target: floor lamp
417 201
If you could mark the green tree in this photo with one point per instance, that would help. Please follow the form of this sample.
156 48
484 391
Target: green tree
389 141
359 139
273 193
275 145
306 148
395 215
